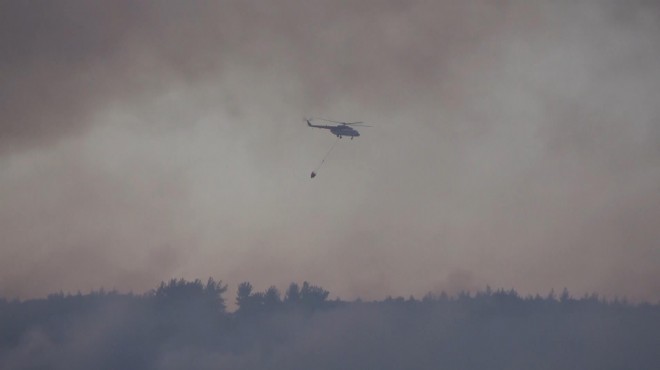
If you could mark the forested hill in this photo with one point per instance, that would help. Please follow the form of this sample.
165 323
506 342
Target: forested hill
185 325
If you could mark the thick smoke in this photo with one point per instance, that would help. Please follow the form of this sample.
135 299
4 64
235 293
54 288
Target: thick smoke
515 144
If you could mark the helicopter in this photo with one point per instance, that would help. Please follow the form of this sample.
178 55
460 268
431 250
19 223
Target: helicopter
340 130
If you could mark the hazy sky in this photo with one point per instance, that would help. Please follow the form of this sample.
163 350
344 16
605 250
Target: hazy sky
515 144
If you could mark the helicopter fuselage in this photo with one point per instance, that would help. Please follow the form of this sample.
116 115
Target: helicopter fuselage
344 131
339 130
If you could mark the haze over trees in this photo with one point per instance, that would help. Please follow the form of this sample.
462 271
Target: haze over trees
185 324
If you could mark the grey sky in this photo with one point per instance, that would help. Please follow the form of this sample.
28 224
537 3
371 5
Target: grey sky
514 144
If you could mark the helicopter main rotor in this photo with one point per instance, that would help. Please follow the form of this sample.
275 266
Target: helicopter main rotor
358 123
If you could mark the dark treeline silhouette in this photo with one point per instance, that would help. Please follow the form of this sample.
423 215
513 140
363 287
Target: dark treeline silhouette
185 324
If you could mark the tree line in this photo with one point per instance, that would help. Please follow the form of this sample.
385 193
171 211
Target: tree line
186 324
